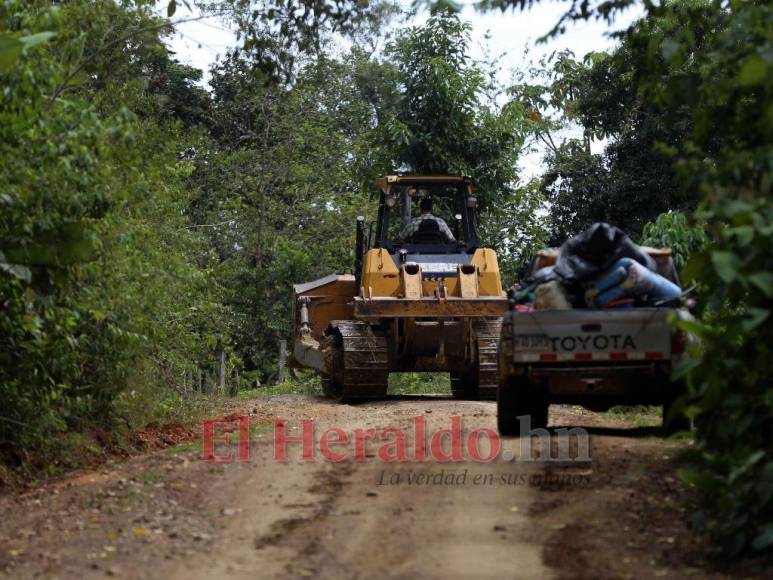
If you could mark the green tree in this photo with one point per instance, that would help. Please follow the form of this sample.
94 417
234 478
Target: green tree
279 188
675 230
633 180
275 34
442 121
442 118
727 158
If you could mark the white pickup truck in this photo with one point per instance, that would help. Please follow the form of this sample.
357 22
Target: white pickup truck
597 358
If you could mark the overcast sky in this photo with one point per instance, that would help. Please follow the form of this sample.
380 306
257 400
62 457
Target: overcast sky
199 43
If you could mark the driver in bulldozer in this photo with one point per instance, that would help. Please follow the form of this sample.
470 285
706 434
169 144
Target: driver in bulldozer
426 225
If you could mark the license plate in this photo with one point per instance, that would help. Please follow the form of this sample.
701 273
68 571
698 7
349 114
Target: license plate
531 341
438 267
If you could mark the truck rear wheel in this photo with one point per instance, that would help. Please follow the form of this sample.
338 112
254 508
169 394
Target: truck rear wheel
464 385
507 411
674 420
330 388
539 410
516 399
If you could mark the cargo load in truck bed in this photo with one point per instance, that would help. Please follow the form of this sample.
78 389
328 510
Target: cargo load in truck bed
600 267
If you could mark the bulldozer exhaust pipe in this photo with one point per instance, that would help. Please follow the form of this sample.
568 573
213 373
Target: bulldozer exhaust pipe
359 252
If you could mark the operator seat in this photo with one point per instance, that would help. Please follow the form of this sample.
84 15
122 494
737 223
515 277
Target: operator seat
428 232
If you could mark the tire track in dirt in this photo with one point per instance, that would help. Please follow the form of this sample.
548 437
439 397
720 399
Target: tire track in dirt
343 524
170 515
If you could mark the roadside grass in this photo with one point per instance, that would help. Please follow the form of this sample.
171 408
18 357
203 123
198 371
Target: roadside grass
640 415
190 446
147 407
150 405
190 410
61 453
86 446
139 408
647 416
308 383
304 383
419 384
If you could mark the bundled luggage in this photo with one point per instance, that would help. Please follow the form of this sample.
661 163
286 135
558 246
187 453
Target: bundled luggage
600 268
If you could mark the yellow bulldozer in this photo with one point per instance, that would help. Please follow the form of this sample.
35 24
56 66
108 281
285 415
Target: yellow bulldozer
424 297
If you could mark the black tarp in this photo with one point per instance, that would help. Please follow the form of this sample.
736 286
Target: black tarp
591 253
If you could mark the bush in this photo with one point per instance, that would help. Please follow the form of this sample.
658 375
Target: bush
103 287
710 59
674 230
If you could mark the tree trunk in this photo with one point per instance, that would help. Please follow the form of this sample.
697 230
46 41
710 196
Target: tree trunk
221 374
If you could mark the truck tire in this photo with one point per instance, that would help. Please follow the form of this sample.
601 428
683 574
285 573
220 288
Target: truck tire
674 422
330 388
516 399
464 386
507 411
539 410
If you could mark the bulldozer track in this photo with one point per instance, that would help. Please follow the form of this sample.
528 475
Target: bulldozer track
359 355
487 334
362 369
482 380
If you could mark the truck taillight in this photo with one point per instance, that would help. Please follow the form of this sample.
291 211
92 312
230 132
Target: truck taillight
678 342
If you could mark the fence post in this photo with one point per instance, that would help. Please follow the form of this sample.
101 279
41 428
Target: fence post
221 373
282 361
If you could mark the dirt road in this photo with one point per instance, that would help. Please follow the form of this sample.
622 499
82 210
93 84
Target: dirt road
171 515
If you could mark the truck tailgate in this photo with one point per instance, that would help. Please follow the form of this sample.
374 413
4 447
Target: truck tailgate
590 335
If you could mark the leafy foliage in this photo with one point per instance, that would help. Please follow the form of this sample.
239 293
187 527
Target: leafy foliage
701 72
674 230
150 229
278 190
442 122
727 158
516 226
632 180
290 166
275 32
100 287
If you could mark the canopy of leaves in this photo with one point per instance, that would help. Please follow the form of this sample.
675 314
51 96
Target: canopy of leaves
727 158
442 122
633 180
274 33
277 190
442 116
674 230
